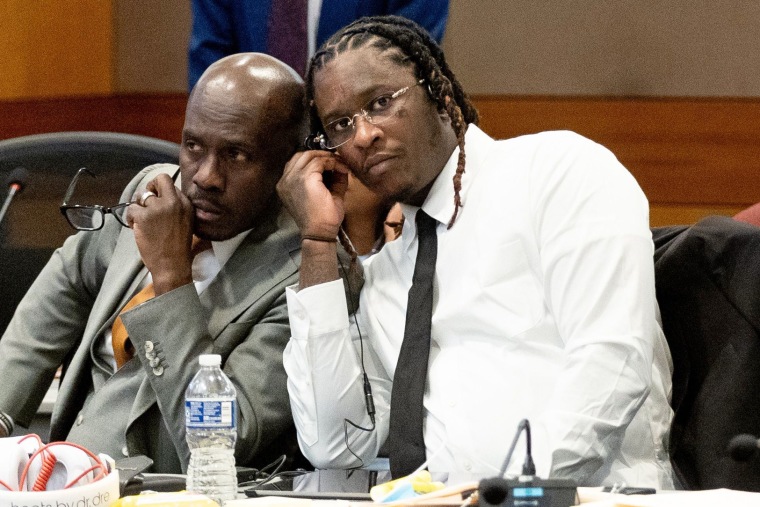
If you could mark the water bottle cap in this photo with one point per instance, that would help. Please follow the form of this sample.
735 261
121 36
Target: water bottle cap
210 359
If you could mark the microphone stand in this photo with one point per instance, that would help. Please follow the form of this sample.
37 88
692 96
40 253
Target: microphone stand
13 189
527 489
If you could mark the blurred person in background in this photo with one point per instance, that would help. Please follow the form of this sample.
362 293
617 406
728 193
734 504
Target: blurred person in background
290 29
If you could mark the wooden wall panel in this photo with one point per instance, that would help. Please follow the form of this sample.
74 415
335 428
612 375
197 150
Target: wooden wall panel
155 115
674 214
692 157
54 48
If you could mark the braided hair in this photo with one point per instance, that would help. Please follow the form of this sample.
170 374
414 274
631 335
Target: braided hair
415 45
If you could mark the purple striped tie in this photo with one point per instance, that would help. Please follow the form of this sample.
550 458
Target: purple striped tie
288 36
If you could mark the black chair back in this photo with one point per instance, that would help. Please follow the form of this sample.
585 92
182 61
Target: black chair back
708 290
33 227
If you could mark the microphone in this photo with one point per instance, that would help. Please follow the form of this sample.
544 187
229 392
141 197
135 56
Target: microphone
743 447
15 181
529 469
527 489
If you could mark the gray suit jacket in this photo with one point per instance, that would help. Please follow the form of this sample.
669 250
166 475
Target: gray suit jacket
139 410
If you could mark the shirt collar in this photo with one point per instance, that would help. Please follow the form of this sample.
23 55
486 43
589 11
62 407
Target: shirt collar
223 250
439 202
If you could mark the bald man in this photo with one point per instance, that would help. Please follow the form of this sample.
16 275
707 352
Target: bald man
243 121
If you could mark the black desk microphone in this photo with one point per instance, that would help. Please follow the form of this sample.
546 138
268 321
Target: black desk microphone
527 489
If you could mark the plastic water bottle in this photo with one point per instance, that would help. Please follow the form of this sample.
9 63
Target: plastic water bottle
211 424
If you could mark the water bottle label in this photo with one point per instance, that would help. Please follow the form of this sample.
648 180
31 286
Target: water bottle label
209 413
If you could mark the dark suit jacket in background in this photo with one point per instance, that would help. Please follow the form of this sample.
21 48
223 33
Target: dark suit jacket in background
224 27
708 290
241 315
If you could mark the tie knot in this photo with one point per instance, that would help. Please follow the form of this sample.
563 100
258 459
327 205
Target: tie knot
425 223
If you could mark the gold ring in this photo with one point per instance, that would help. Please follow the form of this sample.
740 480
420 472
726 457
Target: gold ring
144 197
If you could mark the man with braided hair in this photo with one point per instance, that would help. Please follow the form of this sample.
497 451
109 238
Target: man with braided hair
542 303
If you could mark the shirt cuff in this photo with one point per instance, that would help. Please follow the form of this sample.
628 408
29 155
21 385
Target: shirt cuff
317 310
6 422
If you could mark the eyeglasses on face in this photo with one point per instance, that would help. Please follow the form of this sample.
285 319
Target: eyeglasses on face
90 217
377 111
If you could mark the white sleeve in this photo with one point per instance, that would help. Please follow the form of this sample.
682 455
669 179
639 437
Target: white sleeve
325 380
598 270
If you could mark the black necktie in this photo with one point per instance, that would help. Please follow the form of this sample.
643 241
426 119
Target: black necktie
287 33
406 443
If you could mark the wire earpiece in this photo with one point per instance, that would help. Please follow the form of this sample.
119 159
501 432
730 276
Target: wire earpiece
368 399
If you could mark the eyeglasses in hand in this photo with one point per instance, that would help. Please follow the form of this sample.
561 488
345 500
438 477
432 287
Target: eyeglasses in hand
90 217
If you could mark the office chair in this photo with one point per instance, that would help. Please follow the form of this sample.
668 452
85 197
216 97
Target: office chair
59 152
708 288
33 227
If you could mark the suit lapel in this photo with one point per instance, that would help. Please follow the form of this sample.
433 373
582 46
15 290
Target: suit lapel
256 266
237 287
119 283
121 280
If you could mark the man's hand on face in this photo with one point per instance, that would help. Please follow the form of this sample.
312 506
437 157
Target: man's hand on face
163 227
312 188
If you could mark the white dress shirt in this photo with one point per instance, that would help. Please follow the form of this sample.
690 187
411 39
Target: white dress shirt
544 309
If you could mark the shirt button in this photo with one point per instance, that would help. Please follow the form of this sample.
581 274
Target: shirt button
467 466
452 403
125 451
80 419
148 346
158 370
300 314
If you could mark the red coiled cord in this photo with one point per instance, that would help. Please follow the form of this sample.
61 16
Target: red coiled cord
46 470
48 464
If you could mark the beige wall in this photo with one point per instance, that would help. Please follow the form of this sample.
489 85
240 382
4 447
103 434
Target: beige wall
524 47
604 47
556 47
151 45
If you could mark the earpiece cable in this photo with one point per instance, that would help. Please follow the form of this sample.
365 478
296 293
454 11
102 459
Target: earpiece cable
368 399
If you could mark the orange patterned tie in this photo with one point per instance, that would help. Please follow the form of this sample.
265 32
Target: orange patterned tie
122 346
123 350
